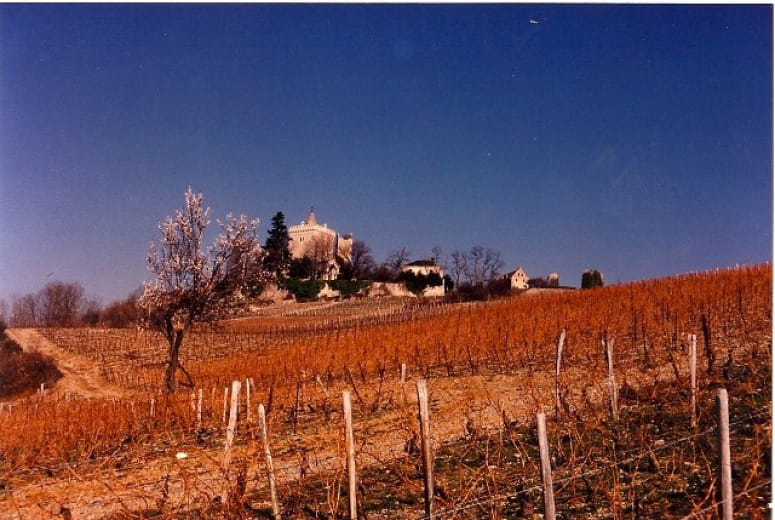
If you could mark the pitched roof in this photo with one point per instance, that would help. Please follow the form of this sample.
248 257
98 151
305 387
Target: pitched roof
422 263
511 273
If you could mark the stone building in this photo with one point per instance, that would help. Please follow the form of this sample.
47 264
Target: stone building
327 249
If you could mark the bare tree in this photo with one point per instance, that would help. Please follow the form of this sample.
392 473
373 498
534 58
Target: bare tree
397 259
437 254
25 311
459 265
321 251
491 263
478 265
474 265
361 262
122 313
61 304
195 284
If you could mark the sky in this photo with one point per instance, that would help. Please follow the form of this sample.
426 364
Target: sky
635 139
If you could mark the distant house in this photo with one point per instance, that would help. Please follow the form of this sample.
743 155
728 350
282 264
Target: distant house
518 278
426 268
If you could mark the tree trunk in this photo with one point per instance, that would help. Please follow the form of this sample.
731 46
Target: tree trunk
175 340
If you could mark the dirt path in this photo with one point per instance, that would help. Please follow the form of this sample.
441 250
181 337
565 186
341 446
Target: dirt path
81 376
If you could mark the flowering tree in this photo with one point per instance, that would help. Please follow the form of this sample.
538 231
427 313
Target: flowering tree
193 283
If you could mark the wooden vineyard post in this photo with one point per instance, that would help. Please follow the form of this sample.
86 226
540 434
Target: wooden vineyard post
247 399
560 344
269 465
609 348
425 440
296 405
725 458
235 388
546 468
238 398
225 402
199 409
693 376
192 405
403 384
350 447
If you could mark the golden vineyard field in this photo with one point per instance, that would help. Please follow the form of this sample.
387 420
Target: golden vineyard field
490 367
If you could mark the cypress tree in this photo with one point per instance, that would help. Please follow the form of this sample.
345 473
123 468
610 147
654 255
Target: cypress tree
278 255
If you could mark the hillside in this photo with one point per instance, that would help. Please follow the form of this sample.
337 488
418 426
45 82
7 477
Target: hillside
490 367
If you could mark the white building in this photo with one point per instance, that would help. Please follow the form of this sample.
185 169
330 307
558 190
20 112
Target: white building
423 267
518 278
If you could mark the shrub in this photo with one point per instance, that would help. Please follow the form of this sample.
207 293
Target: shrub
347 288
23 372
499 287
468 292
303 290
301 268
120 314
254 289
418 282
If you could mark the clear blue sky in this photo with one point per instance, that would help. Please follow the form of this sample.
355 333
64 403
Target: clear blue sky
633 139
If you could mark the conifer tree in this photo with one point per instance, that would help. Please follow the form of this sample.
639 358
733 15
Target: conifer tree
278 255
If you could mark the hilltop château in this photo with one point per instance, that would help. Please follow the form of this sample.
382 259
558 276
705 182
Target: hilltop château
327 249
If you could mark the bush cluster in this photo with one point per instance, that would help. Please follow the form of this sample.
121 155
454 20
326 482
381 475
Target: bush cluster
348 288
23 372
418 282
303 290
496 288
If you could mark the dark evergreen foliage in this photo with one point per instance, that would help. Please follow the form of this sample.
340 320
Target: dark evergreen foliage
303 290
418 282
278 255
301 268
591 278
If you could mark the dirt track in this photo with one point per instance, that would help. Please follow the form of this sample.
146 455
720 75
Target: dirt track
81 376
